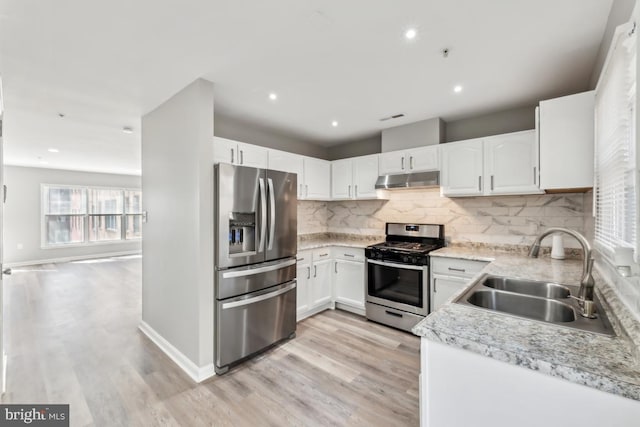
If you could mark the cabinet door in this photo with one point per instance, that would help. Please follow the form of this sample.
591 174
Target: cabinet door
341 185
393 163
321 282
303 284
252 155
461 171
349 282
225 150
443 287
424 159
511 163
365 175
317 179
566 142
287 162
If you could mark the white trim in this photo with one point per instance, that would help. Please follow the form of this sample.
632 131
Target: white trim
350 308
198 374
71 258
4 372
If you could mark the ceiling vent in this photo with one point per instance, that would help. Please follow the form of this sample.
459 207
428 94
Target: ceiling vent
395 116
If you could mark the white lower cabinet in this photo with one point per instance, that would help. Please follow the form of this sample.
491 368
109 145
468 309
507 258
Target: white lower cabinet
327 276
450 275
314 282
348 277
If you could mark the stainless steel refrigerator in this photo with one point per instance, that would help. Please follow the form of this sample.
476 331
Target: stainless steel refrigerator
255 264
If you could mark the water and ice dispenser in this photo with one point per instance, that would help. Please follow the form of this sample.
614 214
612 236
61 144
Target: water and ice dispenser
242 233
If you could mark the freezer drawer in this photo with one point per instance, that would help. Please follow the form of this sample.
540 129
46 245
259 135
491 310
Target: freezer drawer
242 280
253 322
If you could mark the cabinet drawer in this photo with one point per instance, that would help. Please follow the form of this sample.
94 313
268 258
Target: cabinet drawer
456 266
348 254
304 257
321 254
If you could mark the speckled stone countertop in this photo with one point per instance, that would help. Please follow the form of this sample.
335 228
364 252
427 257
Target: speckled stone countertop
606 363
322 240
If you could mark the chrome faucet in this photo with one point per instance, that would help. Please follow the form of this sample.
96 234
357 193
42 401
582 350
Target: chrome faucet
587 284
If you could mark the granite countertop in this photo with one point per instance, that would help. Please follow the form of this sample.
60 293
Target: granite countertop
606 363
322 240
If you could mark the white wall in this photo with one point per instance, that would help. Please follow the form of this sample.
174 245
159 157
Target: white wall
177 186
512 120
23 221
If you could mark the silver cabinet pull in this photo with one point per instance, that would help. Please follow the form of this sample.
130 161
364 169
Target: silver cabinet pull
315 271
7 271
336 267
4 196
308 272
232 150
480 183
491 182
356 192
324 254
349 190
434 286
461 270
263 215
402 163
411 162
350 255
306 194
534 175
241 157
272 213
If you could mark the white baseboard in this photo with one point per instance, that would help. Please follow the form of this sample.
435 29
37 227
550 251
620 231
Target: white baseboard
351 309
198 374
71 258
4 372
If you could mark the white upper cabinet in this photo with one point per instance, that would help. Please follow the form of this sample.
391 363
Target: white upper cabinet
407 161
354 178
285 162
341 179
511 163
500 164
317 179
365 175
462 164
566 132
238 153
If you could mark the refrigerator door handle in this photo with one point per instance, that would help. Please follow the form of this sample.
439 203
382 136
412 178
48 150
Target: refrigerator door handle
259 298
272 214
263 214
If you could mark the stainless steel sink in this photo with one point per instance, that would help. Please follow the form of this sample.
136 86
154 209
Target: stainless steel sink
544 309
540 301
528 287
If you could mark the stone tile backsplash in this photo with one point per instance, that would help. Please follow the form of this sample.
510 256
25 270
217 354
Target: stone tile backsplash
510 220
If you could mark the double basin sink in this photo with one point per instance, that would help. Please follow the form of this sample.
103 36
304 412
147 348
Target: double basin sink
537 300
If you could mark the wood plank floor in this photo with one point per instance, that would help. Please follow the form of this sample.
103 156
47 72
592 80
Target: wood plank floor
71 337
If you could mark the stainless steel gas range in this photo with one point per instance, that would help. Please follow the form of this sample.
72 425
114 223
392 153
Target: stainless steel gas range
397 274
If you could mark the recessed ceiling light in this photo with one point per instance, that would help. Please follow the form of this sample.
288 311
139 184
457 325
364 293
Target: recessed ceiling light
410 34
334 123
53 150
457 89
273 96
127 129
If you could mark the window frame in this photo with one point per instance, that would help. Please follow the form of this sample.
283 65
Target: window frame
44 244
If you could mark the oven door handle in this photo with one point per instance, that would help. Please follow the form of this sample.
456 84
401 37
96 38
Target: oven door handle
396 265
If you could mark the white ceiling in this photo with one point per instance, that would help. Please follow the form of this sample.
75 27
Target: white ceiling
106 63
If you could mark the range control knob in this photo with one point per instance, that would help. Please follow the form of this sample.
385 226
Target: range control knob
405 258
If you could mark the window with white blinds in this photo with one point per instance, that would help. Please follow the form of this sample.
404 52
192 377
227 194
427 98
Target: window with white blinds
616 187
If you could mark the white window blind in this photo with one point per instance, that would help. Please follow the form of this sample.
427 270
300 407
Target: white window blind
615 151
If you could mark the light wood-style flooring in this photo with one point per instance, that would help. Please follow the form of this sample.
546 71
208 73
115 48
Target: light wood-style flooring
71 337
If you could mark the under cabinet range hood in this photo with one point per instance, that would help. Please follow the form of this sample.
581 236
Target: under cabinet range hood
409 180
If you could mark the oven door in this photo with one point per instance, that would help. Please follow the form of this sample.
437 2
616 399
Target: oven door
401 286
